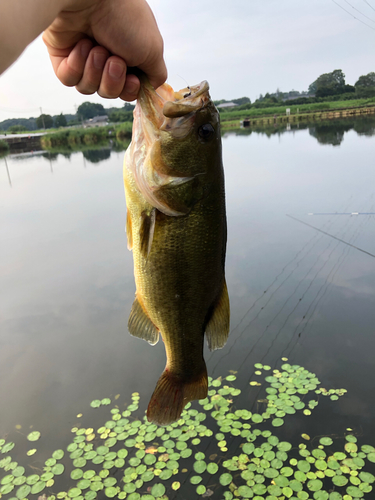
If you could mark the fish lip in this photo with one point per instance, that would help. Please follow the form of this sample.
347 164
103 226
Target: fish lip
164 102
197 98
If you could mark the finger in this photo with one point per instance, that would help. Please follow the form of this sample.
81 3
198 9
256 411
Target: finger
113 78
69 70
131 88
155 67
92 73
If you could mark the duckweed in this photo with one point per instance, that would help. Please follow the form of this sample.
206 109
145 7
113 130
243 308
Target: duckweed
128 457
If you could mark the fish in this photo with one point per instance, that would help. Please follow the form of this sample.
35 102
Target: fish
176 228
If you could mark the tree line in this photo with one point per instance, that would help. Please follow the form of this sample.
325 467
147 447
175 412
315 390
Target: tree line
328 86
85 111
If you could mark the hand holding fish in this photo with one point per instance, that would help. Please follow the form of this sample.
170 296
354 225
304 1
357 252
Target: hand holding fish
91 43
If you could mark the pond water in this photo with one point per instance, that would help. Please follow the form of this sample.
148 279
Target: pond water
300 272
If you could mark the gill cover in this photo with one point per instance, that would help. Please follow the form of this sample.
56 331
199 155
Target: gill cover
168 112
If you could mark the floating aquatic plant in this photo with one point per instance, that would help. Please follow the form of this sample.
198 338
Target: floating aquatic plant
129 457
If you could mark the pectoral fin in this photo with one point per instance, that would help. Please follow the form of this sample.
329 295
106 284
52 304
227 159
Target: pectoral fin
129 234
178 196
147 231
217 328
141 326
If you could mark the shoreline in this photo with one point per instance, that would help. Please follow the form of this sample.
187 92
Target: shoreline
306 116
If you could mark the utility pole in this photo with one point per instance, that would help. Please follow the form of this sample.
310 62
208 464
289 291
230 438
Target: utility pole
41 114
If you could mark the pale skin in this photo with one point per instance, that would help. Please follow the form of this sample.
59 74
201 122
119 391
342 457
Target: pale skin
91 43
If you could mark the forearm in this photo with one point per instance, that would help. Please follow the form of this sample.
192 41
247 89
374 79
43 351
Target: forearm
21 21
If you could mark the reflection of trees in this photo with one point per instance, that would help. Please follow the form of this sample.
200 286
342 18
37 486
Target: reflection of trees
97 155
365 126
333 132
330 133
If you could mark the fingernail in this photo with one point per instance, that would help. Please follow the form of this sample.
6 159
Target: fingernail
99 60
85 49
116 70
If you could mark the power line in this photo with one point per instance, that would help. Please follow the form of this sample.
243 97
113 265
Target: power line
362 14
369 4
350 14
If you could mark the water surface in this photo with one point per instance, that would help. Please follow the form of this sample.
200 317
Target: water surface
67 280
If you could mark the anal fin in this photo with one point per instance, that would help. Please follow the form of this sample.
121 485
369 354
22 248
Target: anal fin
141 326
217 328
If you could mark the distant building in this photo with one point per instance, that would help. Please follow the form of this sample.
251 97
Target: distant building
227 105
97 121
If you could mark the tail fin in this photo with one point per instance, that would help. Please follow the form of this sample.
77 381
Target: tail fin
172 393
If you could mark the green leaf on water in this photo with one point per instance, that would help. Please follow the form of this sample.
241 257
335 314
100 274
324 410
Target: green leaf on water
195 479
58 454
201 489
326 441
33 436
225 479
277 422
23 491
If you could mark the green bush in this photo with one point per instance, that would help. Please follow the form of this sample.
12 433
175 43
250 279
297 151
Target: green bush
4 146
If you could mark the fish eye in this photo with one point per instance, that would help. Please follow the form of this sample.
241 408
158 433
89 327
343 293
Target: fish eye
206 131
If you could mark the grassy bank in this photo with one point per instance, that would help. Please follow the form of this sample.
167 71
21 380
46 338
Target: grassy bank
234 114
77 138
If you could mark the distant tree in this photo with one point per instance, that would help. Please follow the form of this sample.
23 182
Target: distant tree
44 121
312 88
29 123
242 100
17 128
121 116
90 109
60 121
328 84
366 80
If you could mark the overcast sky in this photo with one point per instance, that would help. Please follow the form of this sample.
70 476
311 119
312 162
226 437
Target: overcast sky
242 47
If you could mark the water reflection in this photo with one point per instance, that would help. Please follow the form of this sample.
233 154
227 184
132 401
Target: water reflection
329 132
97 155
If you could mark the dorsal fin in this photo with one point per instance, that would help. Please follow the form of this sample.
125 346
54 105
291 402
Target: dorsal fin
141 326
217 328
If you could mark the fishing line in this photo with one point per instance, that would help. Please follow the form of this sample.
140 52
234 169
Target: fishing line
308 288
268 350
299 301
264 331
331 235
334 270
328 224
339 264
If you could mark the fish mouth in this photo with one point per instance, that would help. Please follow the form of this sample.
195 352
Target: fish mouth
161 107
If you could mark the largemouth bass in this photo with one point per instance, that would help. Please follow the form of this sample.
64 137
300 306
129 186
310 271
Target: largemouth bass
176 227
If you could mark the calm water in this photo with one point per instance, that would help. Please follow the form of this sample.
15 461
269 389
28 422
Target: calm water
67 281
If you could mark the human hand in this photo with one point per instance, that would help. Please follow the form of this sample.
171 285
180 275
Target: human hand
91 44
